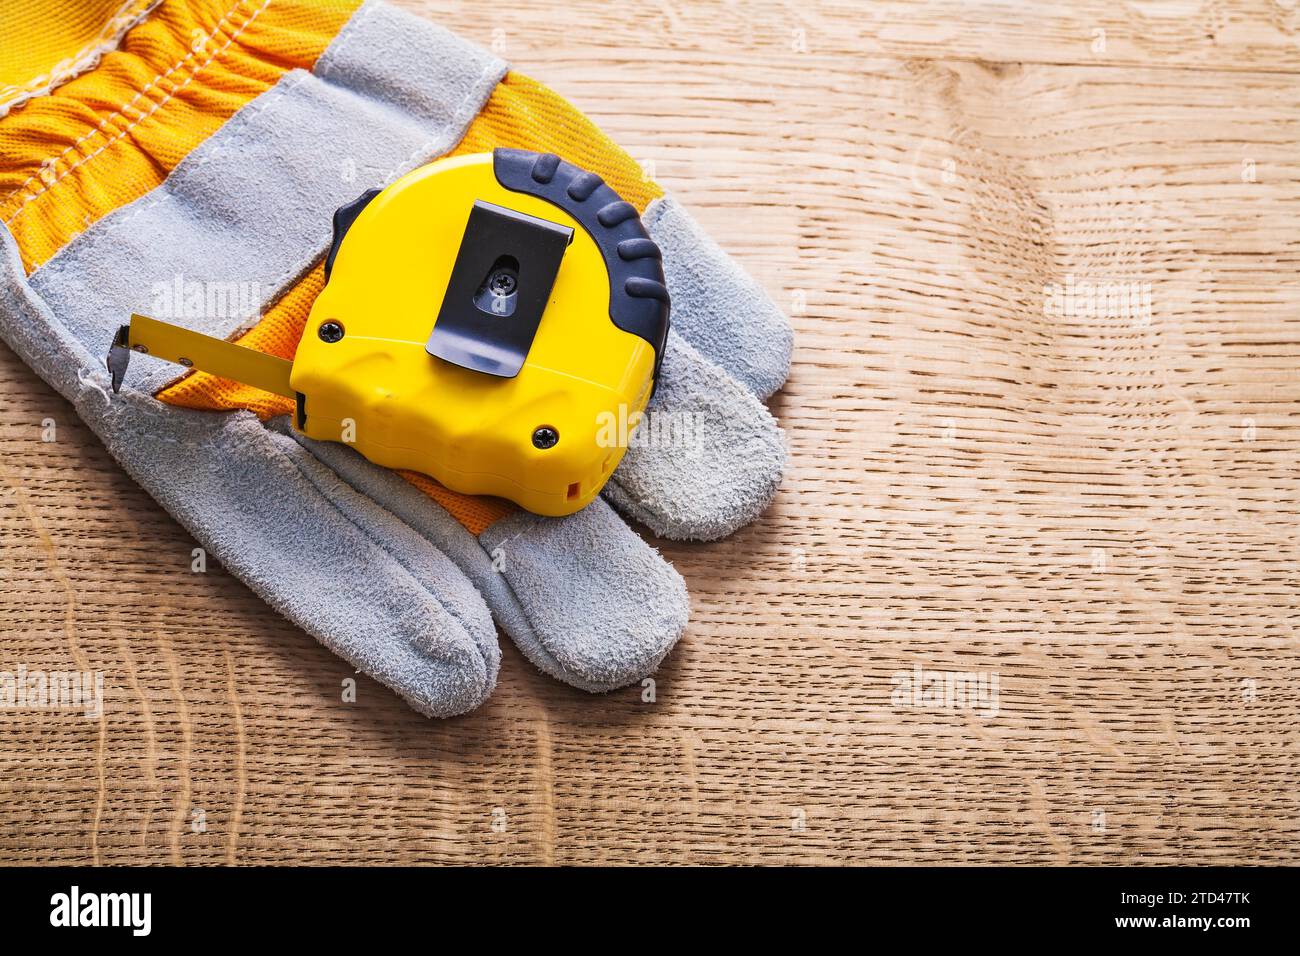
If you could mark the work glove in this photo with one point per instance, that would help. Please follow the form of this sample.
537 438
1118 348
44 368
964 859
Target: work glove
198 162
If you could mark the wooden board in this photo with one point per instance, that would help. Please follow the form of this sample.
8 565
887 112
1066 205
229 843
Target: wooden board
1095 503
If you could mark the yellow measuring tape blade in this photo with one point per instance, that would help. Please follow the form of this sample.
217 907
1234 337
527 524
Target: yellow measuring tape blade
216 356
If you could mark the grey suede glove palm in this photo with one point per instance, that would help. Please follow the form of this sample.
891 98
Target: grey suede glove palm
355 555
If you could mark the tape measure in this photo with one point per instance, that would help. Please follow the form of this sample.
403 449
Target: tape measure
485 320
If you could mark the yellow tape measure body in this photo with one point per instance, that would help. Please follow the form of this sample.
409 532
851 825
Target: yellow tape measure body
494 321
472 431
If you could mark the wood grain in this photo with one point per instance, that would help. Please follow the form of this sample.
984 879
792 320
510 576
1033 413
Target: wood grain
1099 509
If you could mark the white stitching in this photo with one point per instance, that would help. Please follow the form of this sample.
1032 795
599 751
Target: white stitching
135 122
121 109
128 15
271 98
117 219
99 127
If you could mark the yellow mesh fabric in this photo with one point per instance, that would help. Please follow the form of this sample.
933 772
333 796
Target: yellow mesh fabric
58 38
106 138
109 136
475 512
524 114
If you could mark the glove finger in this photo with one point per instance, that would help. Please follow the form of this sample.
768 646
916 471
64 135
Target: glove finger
716 306
705 459
363 584
603 607
583 597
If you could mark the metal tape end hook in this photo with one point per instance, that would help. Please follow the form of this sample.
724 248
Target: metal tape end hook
119 356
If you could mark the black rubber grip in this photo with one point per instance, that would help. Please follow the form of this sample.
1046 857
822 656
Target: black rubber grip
344 217
638 297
